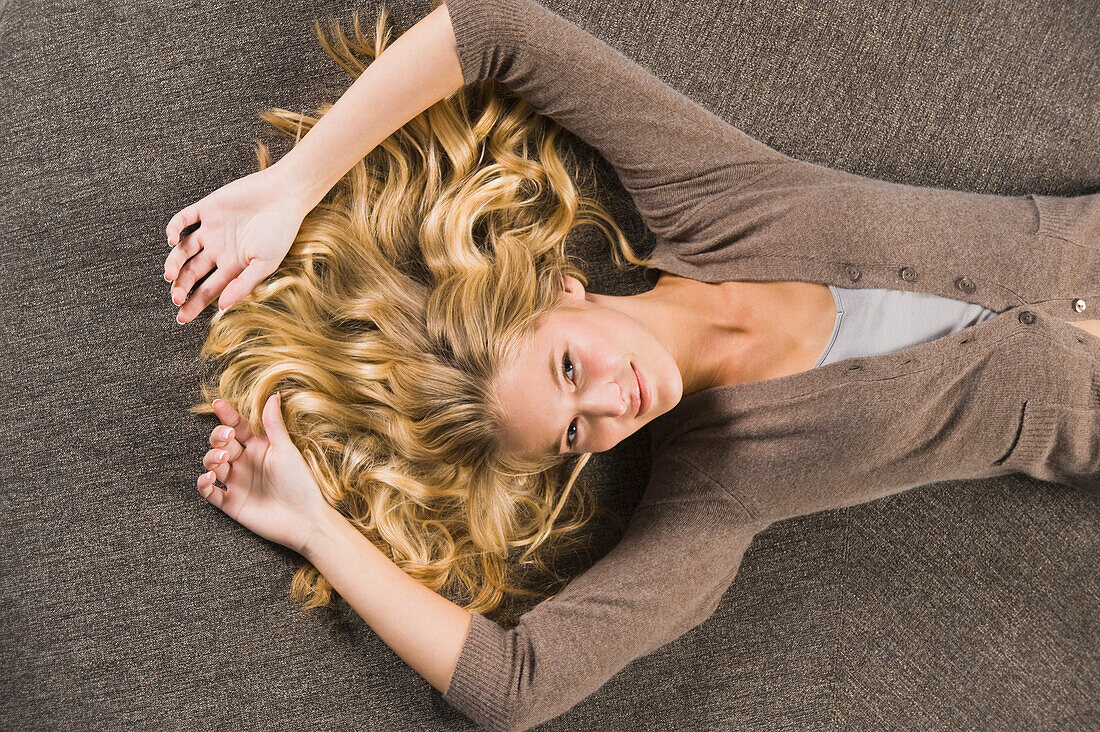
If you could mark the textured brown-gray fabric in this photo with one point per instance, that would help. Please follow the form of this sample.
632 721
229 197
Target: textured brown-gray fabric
128 602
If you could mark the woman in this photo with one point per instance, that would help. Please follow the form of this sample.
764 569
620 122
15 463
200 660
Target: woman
751 361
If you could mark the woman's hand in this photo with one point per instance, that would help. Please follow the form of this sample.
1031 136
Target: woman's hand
248 226
270 489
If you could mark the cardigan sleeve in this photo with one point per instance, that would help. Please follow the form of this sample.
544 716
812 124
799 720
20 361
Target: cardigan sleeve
677 160
665 576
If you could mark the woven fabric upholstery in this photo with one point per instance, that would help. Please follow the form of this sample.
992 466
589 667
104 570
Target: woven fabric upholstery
129 602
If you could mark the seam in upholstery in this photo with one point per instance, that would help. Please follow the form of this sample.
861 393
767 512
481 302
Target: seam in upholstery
5 6
840 623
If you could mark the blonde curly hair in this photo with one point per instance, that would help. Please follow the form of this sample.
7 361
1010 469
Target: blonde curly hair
420 274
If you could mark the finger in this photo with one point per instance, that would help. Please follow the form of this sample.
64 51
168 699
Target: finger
217 459
208 290
272 417
192 271
187 217
174 262
209 491
200 269
221 469
245 282
232 449
229 416
223 437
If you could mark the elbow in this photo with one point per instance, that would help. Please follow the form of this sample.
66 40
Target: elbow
514 726
501 720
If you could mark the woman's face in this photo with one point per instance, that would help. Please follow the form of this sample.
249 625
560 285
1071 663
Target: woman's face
573 386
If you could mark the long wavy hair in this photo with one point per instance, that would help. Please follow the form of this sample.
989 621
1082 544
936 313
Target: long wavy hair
413 282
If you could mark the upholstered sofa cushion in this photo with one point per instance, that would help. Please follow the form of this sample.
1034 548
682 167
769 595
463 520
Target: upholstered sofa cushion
127 601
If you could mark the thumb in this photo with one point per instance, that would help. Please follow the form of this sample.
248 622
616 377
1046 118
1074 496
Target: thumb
272 417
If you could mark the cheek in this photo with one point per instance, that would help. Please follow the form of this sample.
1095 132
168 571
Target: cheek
605 441
619 340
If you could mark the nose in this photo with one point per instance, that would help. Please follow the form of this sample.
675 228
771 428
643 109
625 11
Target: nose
609 399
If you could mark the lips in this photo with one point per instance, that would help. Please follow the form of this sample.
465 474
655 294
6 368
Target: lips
644 396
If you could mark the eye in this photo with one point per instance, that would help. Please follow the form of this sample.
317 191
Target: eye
571 431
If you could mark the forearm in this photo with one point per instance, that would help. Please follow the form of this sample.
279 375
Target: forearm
417 70
422 627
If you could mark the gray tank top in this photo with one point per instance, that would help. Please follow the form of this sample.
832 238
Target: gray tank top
872 322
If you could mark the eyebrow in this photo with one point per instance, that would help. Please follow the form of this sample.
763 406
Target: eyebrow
555 449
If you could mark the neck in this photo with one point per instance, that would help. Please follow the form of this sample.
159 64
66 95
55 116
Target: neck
701 338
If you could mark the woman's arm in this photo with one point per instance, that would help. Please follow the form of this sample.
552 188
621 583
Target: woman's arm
422 627
417 70
679 554
682 165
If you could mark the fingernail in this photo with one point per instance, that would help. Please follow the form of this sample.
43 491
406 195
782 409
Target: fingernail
167 278
215 402
179 321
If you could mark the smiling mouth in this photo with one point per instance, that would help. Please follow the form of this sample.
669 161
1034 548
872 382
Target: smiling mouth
643 396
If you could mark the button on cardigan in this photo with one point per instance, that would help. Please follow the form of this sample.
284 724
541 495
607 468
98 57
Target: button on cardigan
1019 392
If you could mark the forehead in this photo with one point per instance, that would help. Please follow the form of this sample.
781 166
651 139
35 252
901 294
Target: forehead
532 401
546 329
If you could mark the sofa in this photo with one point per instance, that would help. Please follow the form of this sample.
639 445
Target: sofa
128 602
